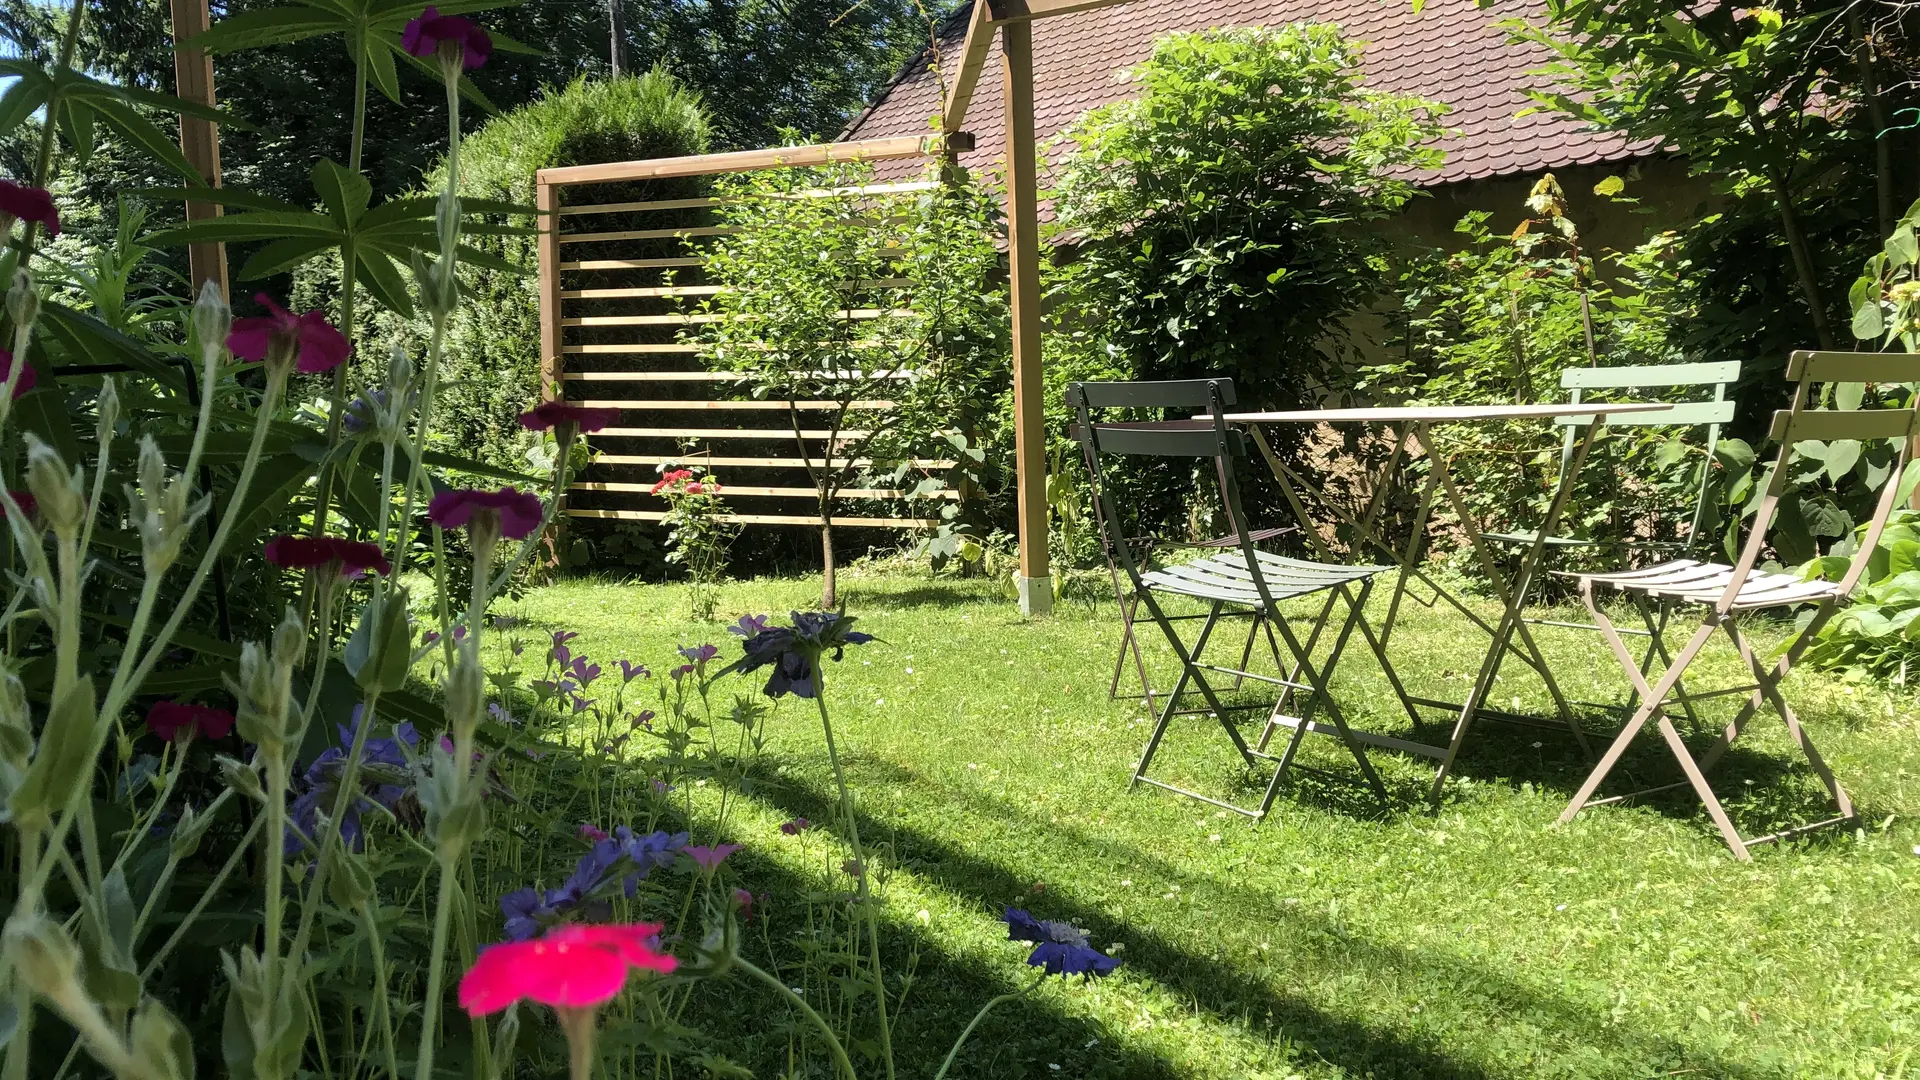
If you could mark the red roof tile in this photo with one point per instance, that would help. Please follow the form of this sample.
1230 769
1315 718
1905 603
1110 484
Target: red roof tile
1452 51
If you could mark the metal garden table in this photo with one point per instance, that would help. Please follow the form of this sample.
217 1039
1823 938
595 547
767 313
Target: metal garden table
1509 633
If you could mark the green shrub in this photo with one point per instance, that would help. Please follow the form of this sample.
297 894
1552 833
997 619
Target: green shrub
492 372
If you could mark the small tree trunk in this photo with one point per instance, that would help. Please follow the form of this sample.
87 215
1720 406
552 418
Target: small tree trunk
829 592
1803 267
617 34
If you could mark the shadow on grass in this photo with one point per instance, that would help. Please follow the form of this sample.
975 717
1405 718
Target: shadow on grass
1230 995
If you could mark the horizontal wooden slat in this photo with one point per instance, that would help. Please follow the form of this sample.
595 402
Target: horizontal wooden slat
630 207
703 290
762 519
704 376
637 347
1594 378
703 319
900 146
731 406
646 234
743 491
727 433
634 264
1682 415
695 204
1854 366
746 462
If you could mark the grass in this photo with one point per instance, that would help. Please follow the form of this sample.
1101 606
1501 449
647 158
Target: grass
1337 938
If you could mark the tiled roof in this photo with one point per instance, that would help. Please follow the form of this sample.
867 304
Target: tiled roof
1451 51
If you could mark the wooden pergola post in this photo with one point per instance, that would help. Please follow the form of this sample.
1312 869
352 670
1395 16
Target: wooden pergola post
199 138
1034 578
1013 20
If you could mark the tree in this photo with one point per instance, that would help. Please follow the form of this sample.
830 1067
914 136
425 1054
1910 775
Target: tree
1215 212
883 310
1762 98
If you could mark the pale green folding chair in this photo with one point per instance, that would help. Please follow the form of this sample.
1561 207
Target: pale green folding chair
1710 410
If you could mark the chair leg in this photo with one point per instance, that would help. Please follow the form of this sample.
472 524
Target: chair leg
1188 674
1318 678
1651 697
1698 781
1657 646
1770 687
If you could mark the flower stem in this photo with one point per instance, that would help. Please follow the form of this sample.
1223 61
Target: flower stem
982 1015
436 971
380 1001
833 1041
860 859
273 854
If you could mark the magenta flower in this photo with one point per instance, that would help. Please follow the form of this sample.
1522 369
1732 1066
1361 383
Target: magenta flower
749 625
709 858
572 967
18 201
27 380
424 36
518 512
743 901
853 868
309 339
679 672
173 721
796 826
552 414
352 558
592 832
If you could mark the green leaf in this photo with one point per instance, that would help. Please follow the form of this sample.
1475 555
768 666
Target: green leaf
345 192
1611 186
280 256
139 130
20 101
1842 455
271 26
1903 248
384 280
76 125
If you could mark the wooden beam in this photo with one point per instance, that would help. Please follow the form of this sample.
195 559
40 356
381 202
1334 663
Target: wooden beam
901 146
199 138
1011 12
703 405
705 458
741 491
1023 272
765 519
714 434
973 60
552 353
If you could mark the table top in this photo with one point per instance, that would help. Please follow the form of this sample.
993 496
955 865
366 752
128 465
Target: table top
1442 414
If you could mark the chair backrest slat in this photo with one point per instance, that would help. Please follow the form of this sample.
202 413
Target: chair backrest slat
1176 438
1685 414
1172 394
1827 425
1853 367
1643 375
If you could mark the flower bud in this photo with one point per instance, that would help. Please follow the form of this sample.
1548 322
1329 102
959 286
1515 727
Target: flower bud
108 405
400 370
160 510
241 778
261 717
23 301
43 956
161 1043
61 494
289 642
466 688
185 839
212 318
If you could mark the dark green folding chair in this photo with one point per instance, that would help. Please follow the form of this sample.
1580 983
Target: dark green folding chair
1145 547
1238 578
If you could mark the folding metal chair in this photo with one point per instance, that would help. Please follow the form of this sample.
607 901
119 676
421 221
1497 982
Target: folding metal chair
1709 414
1238 578
1726 592
1144 547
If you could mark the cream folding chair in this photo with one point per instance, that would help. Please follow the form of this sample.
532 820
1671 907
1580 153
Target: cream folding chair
1724 594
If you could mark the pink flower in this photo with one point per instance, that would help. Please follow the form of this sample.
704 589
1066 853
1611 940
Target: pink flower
25 501
572 967
28 379
853 868
310 339
709 858
695 488
519 511
796 826
424 35
173 721
29 204
743 900
309 552
592 832
552 414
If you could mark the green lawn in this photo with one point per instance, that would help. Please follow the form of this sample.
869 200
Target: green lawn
1334 939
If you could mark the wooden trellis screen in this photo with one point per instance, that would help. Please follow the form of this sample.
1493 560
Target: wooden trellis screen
619 266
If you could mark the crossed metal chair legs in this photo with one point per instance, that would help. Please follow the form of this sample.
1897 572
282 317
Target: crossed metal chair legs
1303 680
1655 696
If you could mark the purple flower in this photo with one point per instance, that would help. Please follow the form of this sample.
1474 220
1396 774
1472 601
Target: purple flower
743 900
518 512
527 913
681 671
615 863
661 787
1061 948
561 656
581 704
584 670
630 671
699 654
642 719
612 747
500 713
709 858
561 637
796 826
384 779
793 651
424 36
749 625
